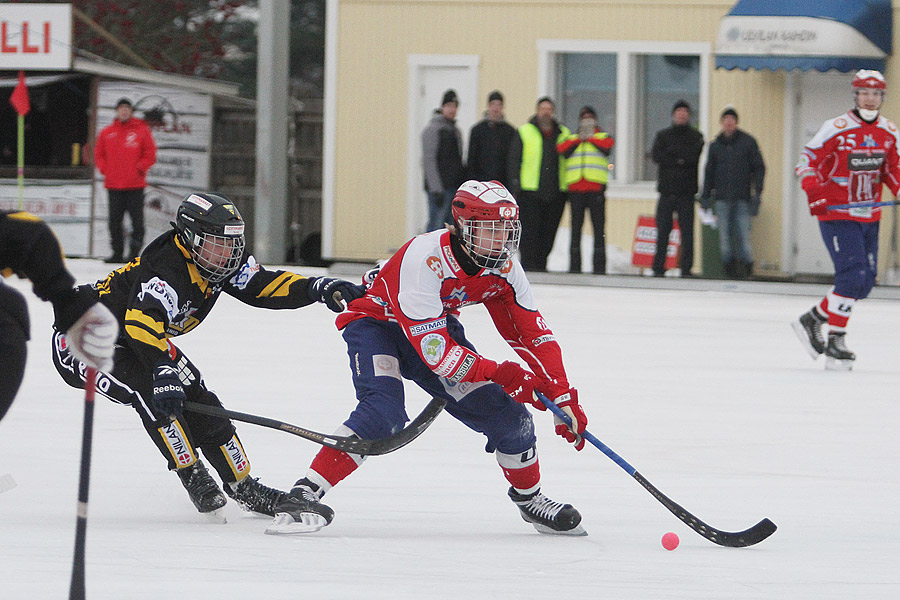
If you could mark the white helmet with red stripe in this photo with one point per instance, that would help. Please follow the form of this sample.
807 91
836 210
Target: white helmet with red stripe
868 93
868 79
487 218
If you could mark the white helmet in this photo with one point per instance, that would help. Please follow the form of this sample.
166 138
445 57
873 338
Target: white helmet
866 79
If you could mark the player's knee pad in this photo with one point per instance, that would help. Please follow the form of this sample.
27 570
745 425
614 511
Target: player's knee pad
377 416
207 429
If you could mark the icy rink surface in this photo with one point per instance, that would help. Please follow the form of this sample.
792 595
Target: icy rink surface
708 394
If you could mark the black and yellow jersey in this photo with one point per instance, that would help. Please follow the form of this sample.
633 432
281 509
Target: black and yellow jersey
161 294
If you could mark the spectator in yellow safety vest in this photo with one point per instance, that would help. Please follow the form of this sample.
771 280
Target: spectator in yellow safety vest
586 155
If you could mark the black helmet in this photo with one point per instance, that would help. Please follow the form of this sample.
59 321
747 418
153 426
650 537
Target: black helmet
211 228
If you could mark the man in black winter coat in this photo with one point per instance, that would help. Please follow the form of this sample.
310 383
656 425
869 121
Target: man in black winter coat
489 143
676 149
733 167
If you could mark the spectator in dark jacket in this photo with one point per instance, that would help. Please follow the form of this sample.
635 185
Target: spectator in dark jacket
734 181
489 143
442 161
676 149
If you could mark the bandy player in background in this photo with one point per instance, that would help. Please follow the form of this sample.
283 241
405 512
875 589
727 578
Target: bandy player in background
406 327
847 162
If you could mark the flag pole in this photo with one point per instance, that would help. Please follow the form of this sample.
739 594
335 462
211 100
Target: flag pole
21 160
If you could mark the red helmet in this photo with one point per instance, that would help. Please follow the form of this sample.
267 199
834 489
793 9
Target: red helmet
487 218
867 79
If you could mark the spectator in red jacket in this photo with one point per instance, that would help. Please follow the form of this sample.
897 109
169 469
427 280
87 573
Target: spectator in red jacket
124 153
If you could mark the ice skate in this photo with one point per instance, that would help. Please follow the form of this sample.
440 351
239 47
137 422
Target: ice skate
300 511
809 331
255 497
546 515
837 356
203 490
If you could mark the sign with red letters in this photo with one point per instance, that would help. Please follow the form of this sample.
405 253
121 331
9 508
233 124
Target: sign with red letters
645 243
35 36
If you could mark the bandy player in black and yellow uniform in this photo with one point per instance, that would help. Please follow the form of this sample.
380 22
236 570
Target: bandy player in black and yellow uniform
167 292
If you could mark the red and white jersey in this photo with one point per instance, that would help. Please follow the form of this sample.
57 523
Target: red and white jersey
853 159
423 282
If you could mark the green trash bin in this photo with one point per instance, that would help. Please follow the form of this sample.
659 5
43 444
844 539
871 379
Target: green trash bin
712 257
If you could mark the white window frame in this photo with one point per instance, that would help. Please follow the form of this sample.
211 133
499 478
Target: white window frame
626 51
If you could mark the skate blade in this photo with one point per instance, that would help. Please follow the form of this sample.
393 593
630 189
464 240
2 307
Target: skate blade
285 524
214 517
837 364
578 530
804 339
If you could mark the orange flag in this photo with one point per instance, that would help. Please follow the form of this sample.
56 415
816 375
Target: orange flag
19 98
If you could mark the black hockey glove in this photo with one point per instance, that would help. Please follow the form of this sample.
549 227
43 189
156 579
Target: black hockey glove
168 395
334 292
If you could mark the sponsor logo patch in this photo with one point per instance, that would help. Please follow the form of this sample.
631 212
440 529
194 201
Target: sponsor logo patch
235 454
424 328
450 361
201 202
234 230
463 369
160 290
434 263
543 339
433 346
179 447
247 271
840 123
864 162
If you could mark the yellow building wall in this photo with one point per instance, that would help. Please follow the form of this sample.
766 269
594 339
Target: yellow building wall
376 36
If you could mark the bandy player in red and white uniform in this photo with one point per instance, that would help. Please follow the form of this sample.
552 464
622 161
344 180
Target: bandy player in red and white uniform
847 162
406 326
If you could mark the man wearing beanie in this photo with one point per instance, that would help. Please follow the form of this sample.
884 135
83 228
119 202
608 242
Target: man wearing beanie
489 142
676 150
442 160
732 184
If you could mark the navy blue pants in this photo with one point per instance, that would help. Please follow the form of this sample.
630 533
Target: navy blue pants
381 357
853 247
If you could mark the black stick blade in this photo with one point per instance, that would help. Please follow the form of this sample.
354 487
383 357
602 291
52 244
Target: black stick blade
730 539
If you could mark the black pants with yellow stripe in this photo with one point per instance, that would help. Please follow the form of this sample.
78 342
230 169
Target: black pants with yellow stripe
130 382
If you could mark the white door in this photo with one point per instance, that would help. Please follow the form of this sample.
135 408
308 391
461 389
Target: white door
820 96
430 76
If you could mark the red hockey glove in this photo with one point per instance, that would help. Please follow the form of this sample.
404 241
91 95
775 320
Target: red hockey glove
818 207
569 403
519 383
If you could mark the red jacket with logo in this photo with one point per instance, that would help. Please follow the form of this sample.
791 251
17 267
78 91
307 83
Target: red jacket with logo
124 153
847 161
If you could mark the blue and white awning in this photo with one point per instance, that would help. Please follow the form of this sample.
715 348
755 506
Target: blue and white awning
805 34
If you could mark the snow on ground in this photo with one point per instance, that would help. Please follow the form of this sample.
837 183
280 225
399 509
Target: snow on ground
707 393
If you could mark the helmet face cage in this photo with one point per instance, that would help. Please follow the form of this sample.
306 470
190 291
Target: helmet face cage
491 243
212 230
216 256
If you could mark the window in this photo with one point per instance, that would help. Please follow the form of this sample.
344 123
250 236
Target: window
632 86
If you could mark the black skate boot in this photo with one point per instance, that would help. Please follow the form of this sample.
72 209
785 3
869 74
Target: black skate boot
255 497
837 356
809 331
300 511
546 515
202 488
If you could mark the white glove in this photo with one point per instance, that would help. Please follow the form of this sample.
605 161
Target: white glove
92 338
708 218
